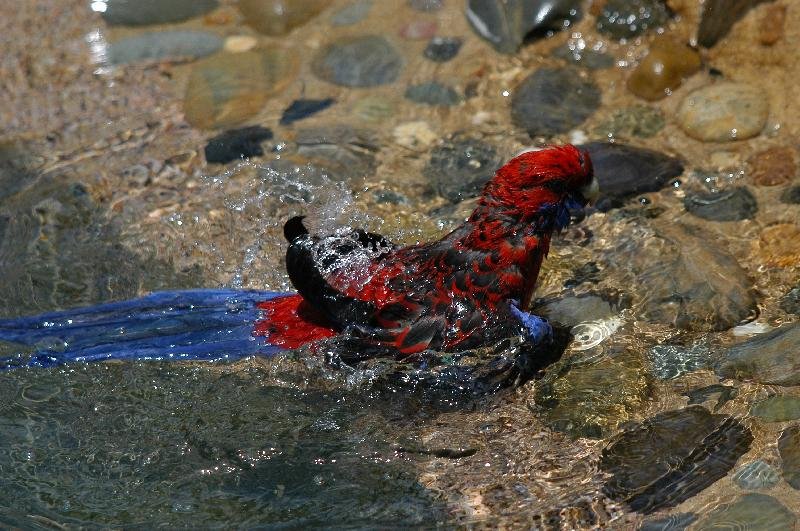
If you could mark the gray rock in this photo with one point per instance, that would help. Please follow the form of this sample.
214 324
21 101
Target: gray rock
791 196
506 24
627 171
433 93
160 45
790 303
749 511
734 204
756 475
673 522
145 12
671 457
623 19
687 281
459 168
347 153
723 112
789 449
672 361
771 358
777 409
639 121
587 58
365 61
571 310
719 16
352 13
553 100
442 49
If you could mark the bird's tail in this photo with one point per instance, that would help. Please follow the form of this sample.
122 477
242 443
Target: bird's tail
204 324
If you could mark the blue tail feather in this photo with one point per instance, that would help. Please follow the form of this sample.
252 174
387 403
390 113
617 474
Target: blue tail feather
207 324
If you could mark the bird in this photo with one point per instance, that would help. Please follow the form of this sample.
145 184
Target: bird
469 289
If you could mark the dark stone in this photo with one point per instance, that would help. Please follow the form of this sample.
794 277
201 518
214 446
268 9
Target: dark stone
726 394
625 171
365 61
718 18
623 19
671 457
734 204
347 153
458 169
433 93
586 58
442 49
790 303
789 448
237 143
553 100
769 358
506 24
300 109
146 12
673 522
791 195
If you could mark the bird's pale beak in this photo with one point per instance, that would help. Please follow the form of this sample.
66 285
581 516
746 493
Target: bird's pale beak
591 191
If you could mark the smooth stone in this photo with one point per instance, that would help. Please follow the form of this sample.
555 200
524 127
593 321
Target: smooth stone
672 361
227 89
160 45
442 49
791 196
418 30
365 61
778 245
352 13
671 457
426 6
638 121
623 19
789 450
673 522
586 58
790 303
146 12
769 358
553 100
624 171
773 166
771 25
279 17
664 68
723 112
237 143
756 475
303 108
240 43
734 204
506 24
459 168
777 409
572 310
686 280
719 16
749 511
346 152
433 93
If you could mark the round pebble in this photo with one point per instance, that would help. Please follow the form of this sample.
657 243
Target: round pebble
459 168
773 166
163 45
639 121
723 112
418 30
553 100
779 245
240 43
623 19
365 61
147 12
664 68
791 196
433 93
442 49
729 205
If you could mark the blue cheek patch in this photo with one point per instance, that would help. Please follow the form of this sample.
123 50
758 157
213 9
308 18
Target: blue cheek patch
539 330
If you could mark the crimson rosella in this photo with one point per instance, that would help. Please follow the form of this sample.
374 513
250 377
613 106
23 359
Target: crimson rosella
466 290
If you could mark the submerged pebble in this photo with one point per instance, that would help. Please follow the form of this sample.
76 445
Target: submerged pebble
673 361
237 143
624 171
734 204
767 358
279 17
419 30
639 121
505 24
347 153
553 100
433 93
723 112
673 522
664 68
791 196
719 16
365 61
146 12
442 49
303 108
161 45
777 409
777 245
623 19
572 310
756 475
352 13
773 166
584 57
460 167
749 511
789 449
790 303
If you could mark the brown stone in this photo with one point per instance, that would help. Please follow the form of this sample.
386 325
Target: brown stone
770 27
778 245
773 166
664 68
279 17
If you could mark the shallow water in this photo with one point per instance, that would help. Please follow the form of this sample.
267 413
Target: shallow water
106 195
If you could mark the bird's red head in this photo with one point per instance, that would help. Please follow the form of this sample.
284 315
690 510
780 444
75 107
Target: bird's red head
537 178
